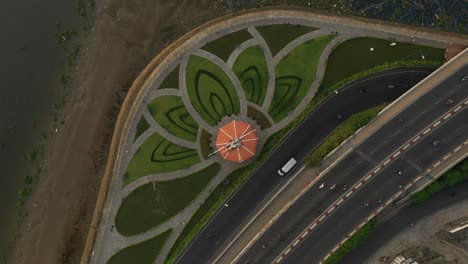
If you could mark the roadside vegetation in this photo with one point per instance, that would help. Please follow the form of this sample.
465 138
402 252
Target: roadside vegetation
341 133
354 241
451 178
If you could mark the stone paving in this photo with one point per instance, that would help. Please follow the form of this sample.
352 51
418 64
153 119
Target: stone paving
109 241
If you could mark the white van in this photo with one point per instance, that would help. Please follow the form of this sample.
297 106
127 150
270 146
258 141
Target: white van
287 167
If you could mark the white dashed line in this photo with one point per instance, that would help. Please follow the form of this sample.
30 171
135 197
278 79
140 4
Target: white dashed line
457 108
436 123
279 259
367 178
396 154
447 115
426 131
321 218
287 251
304 234
457 149
331 209
348 194
416 138
340 201
358 185
377 170
296 242
406 146
386 162
313 226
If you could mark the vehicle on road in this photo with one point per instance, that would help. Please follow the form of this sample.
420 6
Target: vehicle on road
287 167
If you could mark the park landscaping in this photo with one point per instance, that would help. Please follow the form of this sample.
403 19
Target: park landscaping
279 35
158 155
294 76
153 203
142 253
210 90
252 70
171 114
213 96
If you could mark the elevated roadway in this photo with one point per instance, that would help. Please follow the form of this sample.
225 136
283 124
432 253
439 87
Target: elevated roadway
404 144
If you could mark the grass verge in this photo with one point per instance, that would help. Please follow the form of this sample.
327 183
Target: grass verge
355 240
171 80
455 175
259 117
223 46
153 203
205 140
355 55
142 126
341 133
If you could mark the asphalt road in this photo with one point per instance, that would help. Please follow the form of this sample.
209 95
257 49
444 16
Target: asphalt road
411 214
354 167
303 140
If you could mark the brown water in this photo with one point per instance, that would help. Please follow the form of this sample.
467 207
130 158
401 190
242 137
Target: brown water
30 65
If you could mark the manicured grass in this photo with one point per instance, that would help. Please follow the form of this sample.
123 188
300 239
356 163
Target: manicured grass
353 56
171 80
357 239
205 140
252 70
170 112
451 178
154 203
259 117
158 155
142 126
341 133
141 253
294 76
210 90
223 46
278 36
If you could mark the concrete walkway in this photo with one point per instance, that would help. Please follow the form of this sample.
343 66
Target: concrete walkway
109 242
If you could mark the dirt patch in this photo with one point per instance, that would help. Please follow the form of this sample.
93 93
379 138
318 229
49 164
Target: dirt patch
127 35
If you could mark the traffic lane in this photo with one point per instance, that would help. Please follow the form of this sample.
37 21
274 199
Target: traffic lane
398 223
291 223
301 142
420 114
424 156
450 135
353 211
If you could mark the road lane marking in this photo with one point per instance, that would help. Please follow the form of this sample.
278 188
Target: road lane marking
305 234
321 218
426 131
436 123
396 154
416 138
447 116
287 251
457 108
296 242
377 170
386 162
358 185
368 177
340 201
406 146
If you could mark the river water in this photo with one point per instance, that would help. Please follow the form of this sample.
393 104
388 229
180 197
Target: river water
30 66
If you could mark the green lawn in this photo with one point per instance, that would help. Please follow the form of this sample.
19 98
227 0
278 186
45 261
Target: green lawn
223 46
294 76
210 90
170 112
278 36
252 70
353 56
142 126
141 253
205 140
153 203
158 155
171 80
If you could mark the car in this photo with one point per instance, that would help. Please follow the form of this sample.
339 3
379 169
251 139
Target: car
287 167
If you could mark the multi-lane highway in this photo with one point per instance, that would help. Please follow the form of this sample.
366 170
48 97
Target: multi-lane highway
391 158
363 94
